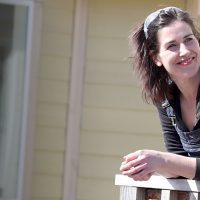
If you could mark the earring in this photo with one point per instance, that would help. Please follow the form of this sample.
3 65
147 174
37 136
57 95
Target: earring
159 64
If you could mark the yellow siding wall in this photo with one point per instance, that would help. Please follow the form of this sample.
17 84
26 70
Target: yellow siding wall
115 121
52 99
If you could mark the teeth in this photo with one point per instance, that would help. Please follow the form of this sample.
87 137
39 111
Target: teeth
186 61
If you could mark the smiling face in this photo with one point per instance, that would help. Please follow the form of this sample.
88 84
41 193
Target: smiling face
178 51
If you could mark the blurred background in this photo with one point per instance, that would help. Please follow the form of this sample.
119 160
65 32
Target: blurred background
70 105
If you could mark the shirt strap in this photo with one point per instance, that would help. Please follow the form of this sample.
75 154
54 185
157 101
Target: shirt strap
170 111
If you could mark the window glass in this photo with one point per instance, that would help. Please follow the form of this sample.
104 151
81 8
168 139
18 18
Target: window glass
13 22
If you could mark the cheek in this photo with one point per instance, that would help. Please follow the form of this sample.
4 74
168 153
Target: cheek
168 62
166 59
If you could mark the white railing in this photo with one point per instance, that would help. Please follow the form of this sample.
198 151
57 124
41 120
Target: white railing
158 188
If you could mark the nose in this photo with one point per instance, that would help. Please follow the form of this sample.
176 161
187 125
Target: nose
183 49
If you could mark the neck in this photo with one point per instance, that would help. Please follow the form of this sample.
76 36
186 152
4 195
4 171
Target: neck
189 88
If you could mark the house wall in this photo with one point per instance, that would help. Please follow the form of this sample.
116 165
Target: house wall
57 22
115 120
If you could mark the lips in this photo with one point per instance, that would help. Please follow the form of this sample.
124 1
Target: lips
185 61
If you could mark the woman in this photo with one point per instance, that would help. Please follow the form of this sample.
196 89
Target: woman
166 55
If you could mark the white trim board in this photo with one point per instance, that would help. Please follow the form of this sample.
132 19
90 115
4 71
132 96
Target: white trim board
71 166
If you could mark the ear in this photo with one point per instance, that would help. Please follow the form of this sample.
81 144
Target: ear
158 63
157 60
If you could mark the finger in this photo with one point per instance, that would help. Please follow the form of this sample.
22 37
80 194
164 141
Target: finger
131 156
129 172
122 167
137 177
127 165
135 170
131 160
136 164
143 172
123 163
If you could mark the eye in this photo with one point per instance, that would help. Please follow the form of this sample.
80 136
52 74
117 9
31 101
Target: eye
188 39
171 46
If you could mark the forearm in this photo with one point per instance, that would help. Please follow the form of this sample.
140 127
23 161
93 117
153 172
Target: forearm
176 165
140 164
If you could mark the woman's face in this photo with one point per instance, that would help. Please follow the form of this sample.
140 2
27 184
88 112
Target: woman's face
178 51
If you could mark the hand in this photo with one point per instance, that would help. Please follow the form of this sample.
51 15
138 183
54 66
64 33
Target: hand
141 164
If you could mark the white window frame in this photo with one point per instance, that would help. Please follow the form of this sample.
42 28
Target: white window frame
29 98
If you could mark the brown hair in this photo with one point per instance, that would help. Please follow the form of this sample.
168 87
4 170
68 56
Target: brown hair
155 80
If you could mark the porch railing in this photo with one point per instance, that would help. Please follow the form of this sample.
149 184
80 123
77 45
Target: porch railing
157 188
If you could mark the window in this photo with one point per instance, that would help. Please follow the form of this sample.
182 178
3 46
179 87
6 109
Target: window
15 50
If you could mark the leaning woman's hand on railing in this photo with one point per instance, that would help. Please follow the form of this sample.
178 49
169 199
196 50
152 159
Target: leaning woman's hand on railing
141 164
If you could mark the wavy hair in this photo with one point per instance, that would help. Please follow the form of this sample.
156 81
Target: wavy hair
155 80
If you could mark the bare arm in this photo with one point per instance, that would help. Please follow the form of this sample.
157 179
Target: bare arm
141 164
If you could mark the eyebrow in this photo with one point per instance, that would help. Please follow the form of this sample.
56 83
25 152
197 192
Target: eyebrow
172 41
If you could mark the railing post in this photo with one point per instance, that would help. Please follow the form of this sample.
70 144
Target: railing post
132 193
169 195
194 196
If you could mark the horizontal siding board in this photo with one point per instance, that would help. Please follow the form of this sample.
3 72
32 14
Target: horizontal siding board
58 4
120 9
46 186
120 120
49 163
100 26
58 20
112 144
115 96
97 189
109 72
106 167
107 49
50 139
59 89
136 10
51 115
45 199
56 44
54 68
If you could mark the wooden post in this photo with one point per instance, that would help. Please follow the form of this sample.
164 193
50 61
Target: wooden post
194 196
169 195
132 193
